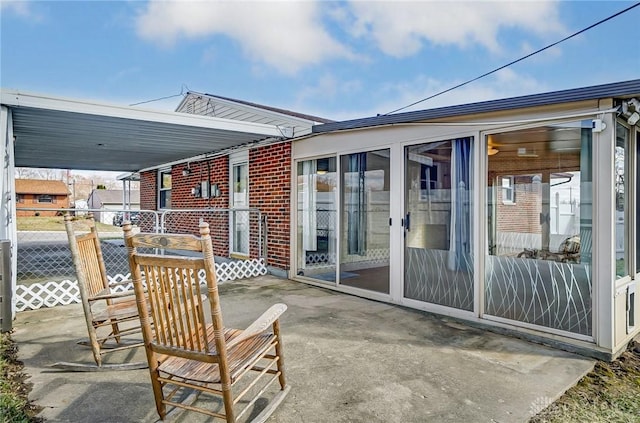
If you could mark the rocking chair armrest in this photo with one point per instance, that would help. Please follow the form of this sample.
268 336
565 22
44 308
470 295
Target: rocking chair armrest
106 295
124 282
259 325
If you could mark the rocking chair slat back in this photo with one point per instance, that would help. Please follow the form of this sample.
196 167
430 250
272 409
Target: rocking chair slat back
111 318
188 347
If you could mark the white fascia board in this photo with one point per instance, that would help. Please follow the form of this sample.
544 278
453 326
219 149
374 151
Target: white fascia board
38 101
254 109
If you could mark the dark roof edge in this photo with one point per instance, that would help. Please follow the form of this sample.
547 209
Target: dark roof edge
626 88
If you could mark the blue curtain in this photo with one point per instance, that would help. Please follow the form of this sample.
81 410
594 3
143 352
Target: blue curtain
355 203
461 224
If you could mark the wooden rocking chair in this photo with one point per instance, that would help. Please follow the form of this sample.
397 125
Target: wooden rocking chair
189 355
109 316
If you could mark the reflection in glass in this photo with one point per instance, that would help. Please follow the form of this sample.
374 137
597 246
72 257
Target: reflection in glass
164 201
539 236
316 230
240 219
364 255
438 229
622 230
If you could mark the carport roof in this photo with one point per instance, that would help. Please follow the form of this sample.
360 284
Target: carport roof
74 134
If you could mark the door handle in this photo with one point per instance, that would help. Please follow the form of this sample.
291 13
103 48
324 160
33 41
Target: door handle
407 222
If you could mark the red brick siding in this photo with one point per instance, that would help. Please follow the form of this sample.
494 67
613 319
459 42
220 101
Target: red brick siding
148 187
216 172
31 201
269 191
148 199
524 215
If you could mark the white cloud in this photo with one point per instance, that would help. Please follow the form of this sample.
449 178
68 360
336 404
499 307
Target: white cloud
400 29
284 35
21 8
291 35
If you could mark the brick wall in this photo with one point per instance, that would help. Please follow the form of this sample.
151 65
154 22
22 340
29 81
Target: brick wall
216 171
269 191
524 215
148 201
148 186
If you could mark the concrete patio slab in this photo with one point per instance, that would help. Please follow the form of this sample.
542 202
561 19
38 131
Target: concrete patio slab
348 359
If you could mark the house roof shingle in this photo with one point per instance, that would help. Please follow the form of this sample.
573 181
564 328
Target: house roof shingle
41 186
114 196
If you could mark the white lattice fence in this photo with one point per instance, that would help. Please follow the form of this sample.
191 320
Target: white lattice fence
47 294
55 293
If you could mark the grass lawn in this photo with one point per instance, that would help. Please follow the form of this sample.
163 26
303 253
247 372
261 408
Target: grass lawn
610 393
14 406
42 223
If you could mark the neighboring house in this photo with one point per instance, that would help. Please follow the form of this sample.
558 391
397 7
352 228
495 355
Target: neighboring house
112 199
41 194
459 210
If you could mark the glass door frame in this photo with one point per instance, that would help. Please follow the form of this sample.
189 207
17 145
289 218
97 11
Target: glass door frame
298 263
342 225
399 246
395 236
600 167
237 160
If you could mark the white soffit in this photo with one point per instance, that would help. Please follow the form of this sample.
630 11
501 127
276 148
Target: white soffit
74 134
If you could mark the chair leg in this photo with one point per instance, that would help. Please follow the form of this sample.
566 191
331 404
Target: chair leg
161 408
95 346
228 403
115 332
280 364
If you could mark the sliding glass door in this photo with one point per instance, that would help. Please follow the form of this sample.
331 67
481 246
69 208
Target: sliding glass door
538 266
365 213
316 217
438 223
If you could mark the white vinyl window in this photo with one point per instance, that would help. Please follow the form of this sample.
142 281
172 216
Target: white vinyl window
508 189
164 189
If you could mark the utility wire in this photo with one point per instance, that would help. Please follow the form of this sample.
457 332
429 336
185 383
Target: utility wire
156 99
182 92
517 60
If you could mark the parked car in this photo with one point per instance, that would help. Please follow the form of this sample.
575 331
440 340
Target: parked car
119 218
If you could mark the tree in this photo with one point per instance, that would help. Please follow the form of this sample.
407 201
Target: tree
39 173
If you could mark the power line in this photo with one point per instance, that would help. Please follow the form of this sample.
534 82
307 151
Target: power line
517 60
156 99
183 89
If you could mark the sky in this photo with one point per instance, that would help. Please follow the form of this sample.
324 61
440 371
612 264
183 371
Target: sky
334 59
